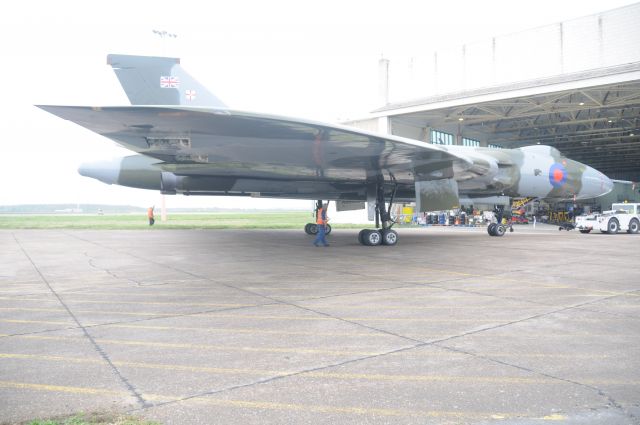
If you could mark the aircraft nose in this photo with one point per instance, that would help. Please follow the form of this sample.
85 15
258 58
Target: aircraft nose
595 184
105 171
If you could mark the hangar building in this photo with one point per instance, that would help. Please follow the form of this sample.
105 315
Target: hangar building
574 85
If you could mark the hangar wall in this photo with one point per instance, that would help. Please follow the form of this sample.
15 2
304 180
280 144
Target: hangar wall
599 41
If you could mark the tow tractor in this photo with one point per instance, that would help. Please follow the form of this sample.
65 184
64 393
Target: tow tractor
621 217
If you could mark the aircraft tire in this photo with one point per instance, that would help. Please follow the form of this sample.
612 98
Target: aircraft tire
499 230
306 228
372 238
313 228
361 236
613 226
491 229
634 226
585 231
389 237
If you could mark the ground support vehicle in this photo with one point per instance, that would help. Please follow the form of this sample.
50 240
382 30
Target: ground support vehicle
621 217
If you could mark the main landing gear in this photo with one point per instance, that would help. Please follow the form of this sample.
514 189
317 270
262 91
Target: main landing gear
499 229
312 228
383 234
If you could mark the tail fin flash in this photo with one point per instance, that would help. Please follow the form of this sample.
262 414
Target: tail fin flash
152 80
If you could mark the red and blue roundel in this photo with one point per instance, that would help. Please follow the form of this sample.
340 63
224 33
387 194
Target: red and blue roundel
557 175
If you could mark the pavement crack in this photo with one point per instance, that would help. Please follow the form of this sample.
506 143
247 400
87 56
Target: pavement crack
109 272
134 392
281 377
146 319
440 343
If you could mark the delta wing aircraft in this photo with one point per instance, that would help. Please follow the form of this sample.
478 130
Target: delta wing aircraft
187 141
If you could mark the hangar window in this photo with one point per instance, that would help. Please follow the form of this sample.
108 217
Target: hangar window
491 145
470 142
441 138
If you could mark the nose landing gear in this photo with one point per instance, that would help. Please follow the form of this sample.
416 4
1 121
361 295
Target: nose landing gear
499 229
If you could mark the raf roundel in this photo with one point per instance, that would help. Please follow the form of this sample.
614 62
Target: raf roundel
557 175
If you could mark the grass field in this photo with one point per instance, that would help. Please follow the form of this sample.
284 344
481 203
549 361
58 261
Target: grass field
226 220
91 418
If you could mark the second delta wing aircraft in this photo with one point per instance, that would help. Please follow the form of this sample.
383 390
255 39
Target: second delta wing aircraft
187 141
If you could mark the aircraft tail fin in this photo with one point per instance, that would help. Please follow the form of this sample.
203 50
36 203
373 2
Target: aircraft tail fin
154 80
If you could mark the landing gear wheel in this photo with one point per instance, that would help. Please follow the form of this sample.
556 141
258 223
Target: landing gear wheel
491 229
499 230
361 236
307 228
634 226
372 237
389 237
613 226
327 229
313 228
585 231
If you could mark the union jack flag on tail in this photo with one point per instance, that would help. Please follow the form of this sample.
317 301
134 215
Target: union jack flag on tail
151 80
169 82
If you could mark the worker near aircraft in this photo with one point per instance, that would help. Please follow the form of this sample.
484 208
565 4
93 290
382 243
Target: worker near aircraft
321 221
150 216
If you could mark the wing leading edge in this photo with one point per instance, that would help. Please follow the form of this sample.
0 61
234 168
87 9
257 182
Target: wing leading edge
223 143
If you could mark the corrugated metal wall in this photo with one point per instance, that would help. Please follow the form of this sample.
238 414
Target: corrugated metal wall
599 41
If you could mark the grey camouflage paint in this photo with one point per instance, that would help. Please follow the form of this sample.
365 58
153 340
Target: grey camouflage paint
211 150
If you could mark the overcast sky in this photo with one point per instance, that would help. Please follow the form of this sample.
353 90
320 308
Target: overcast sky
314 60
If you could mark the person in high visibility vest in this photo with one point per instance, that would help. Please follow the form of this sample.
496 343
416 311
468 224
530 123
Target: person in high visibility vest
321 221
152 220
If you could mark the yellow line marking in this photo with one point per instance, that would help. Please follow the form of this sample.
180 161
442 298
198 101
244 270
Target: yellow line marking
554 417
325 375
260 405
207 346
60 310
254 331
67 299
334 334
423 269
560 286
39 322
354 319
214 370
302 318
216 330
60 388
518 355
371 306
263 405
374 306
213 294
262 317
428 378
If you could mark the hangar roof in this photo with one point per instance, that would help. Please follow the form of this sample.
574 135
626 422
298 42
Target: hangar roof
592 117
